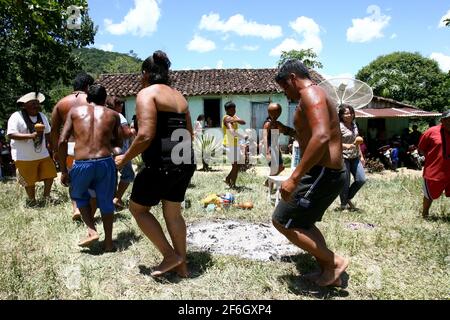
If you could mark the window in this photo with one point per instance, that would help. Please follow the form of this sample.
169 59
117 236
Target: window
211 108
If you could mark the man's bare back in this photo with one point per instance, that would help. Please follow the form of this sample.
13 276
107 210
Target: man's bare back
95 130
61 110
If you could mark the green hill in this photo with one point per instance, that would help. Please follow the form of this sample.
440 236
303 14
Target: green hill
96 61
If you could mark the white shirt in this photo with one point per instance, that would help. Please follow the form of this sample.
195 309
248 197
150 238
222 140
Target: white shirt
23 150
126 141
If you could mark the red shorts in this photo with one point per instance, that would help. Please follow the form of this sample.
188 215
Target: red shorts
433 189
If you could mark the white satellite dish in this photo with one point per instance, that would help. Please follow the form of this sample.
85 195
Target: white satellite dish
348 91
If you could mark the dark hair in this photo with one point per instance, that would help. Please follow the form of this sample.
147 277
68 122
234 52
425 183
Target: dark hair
97 94
230 104
157 66
201 117
342 109
112 101
292 66
82 82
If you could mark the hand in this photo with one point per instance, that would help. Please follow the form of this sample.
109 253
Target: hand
363 161
119 161
65 179
287 187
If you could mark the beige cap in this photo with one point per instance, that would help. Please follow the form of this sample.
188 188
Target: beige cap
32 96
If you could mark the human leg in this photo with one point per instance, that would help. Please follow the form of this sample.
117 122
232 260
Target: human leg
357 170
309 241
177 231
152 229
345 191
93 236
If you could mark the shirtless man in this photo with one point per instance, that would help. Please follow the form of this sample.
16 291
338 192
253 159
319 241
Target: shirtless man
76 98
272 152
320 175
96 131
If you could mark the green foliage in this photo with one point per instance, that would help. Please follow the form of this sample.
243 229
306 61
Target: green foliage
207 150
307 56
96 62
36 43
409 78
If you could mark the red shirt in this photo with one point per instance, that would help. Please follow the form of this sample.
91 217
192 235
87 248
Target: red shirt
437 165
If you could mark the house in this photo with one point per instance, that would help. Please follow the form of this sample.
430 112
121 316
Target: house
207 91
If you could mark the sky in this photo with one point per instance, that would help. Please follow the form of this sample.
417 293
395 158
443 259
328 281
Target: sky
202 34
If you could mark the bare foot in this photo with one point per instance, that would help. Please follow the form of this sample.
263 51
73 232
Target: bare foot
166 265
89 240
118 204
76 216
182 270
313 276
332 276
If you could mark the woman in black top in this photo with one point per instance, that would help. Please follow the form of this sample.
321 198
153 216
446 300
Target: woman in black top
162 114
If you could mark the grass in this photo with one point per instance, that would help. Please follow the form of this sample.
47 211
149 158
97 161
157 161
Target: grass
403 257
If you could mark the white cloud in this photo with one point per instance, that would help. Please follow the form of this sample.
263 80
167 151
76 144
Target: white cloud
219 64
106 47
239 25
201 44
247 66
393 36
287 45
309 30
446 16
368 28
442 60
140 21
341 75
231 47
250 48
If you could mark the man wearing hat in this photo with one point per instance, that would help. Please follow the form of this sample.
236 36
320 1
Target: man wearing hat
435 145
29 132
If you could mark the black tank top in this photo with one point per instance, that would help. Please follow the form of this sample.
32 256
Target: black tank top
158 154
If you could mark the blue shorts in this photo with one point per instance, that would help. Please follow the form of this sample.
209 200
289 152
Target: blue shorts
98 175
127 173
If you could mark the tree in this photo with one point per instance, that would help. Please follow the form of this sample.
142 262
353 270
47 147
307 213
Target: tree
307 56
36 42
409 78
447 22
124 64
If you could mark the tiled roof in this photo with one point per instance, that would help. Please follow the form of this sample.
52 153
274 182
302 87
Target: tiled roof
204 82
394 113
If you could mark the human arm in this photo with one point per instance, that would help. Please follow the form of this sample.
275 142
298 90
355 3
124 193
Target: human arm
265 140
62 148
229 124
146 114
238 120
287 131
57 122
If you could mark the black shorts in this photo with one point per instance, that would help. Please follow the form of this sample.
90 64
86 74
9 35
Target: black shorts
314 194
152 185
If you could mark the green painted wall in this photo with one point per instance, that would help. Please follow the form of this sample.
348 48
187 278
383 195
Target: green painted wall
243 107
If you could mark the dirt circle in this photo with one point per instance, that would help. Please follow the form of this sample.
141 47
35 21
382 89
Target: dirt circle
260 242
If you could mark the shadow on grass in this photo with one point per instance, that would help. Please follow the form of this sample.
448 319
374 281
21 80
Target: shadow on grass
198 263
300 285
122 242
122 216
240 188
439 219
